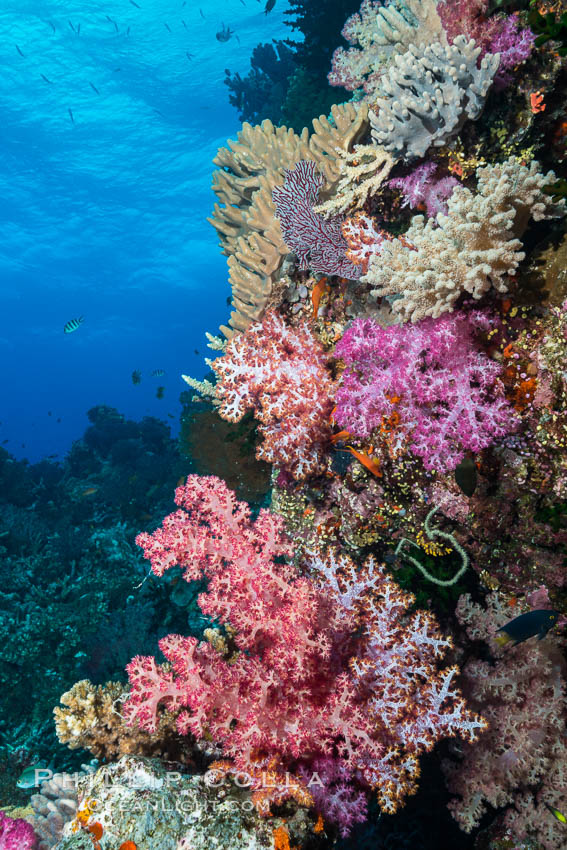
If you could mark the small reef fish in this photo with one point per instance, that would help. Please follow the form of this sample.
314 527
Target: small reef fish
556 813
94 88
158 373
340 437
159 392
43 77
28 777
89 492
466 476
73 325
71 116
521 628
269 6
369 463
318 290
133 2
224 34
168 28
136 376
20 52
201 13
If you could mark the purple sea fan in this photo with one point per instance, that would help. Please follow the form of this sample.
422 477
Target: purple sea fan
446 393
318 242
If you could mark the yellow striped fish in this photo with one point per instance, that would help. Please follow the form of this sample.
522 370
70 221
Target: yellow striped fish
73 325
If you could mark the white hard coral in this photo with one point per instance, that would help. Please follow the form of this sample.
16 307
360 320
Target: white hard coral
428 93
471 249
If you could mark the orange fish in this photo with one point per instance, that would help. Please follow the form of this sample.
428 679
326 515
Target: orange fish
318 291
127 845
536 102
342 435
89 491
369 463
181 481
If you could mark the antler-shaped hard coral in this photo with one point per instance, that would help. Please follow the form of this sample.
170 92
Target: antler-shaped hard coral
280 373
471 249
382 31
428 93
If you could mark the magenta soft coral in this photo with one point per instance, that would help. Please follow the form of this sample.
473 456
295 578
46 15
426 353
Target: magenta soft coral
330 663
431 375
494 34
16 834
279 372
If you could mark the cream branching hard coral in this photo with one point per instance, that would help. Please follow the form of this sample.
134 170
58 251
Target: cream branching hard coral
471 249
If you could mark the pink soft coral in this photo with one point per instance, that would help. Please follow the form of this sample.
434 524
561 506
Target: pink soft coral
431 375
494 34
521 761
421 188
326 664
279 372
16 834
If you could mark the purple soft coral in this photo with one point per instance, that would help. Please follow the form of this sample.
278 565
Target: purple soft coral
16 834
495 34
330 783
421 188
446 393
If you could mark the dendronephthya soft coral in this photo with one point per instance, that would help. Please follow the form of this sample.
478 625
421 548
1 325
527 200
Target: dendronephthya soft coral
327 662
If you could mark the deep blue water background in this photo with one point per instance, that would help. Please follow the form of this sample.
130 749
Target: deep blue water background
106 217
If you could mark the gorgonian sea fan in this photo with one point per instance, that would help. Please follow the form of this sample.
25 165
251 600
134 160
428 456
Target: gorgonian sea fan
318 242
446 393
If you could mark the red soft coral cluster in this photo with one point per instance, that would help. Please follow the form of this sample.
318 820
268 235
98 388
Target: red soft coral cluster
279 372
327 664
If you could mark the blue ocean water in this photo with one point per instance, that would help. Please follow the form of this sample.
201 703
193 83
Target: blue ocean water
107 134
